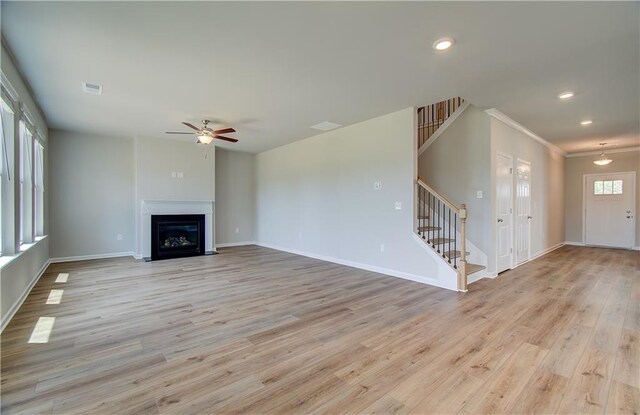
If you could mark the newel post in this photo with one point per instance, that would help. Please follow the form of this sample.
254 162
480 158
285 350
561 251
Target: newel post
462 276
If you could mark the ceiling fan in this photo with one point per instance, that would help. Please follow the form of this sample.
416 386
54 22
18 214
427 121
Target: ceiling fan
206 135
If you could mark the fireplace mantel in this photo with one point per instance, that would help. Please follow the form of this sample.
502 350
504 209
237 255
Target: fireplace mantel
150 207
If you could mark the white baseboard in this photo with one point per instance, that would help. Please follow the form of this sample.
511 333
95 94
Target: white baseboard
359 265
87 257
228 244
574 243
477 276
15 307
546 251
635 248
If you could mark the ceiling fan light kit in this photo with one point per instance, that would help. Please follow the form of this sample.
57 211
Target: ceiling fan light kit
205 135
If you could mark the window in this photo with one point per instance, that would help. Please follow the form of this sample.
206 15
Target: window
2 174
607 187
26 184
39 189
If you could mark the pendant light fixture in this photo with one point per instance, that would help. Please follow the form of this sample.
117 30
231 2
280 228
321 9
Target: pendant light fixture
603 160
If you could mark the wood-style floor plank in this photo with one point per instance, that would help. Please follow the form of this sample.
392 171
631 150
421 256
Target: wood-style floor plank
259 331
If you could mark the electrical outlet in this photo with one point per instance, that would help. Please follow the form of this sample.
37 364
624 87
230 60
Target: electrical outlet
237 230
119 237
479 194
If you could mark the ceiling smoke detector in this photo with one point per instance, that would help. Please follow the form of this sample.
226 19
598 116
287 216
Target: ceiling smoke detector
90 88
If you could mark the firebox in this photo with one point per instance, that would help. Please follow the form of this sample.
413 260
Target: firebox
175 236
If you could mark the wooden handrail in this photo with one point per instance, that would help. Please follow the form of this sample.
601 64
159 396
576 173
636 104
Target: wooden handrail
443 199
436 222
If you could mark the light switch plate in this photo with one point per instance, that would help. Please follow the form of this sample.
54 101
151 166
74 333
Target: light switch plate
479 194
173 174
377 185
398 205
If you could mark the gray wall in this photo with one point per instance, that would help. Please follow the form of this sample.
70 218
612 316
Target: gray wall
235 197
157 158
575 168
458 164
317 196
91 194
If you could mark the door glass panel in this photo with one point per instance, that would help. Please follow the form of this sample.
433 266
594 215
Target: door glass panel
617 187
608 187
598 187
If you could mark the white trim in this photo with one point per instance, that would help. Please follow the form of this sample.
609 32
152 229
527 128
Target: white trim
495 113
366 267
443 127
87 257
574 243
16 306
542 253
230 244
4 81
606 151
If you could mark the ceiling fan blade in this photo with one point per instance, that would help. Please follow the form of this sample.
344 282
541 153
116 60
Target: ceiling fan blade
191 126
224 131
232 140
175 132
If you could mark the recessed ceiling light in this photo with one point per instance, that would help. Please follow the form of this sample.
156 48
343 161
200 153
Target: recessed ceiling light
443 43
586 122
566 95
90 88
326 126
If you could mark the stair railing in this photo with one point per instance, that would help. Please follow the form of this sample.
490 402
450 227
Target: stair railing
439 223
431 117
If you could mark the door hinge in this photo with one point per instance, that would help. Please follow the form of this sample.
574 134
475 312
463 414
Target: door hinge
510 170
511 250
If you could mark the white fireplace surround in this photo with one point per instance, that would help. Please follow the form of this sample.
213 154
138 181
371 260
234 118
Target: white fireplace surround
175 207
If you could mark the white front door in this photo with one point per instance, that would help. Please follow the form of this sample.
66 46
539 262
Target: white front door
609 214
523 211
504 185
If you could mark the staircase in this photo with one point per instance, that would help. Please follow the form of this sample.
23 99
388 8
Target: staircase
432 117
439 222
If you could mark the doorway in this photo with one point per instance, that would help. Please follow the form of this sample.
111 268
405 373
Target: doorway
609 209
504 203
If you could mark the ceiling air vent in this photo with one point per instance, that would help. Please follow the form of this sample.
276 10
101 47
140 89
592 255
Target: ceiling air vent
326 126
94 89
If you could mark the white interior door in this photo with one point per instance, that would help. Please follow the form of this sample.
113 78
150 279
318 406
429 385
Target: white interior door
523 211
504 183
609 214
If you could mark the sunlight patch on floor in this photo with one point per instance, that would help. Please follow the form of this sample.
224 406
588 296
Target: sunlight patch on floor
55 297
42 330
62 277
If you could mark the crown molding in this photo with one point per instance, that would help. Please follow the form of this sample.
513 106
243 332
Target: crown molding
606 151
497 114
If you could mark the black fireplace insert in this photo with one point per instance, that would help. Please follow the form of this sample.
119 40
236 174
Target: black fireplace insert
176 236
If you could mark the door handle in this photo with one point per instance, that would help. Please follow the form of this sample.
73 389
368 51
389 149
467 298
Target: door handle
529 217
500 220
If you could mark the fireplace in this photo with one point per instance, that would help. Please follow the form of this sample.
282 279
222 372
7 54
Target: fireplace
176 236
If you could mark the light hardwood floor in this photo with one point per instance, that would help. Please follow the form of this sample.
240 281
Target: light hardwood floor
254 330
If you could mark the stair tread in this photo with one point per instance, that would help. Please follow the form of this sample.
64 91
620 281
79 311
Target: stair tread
473 268
428 228
454 254
440 241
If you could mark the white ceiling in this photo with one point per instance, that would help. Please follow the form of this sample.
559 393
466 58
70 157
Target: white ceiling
271 70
